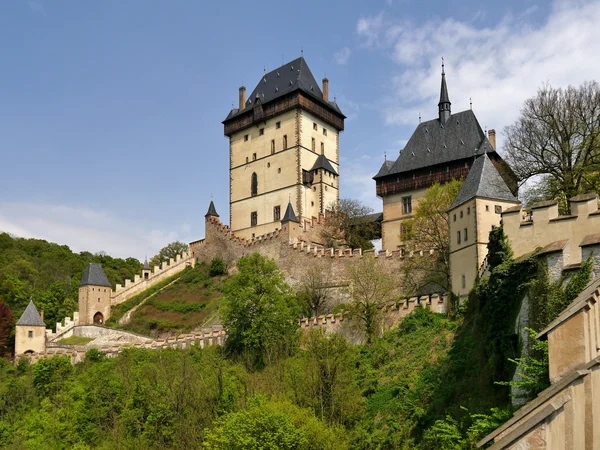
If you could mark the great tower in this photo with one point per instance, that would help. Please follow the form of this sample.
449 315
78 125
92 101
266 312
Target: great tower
283 148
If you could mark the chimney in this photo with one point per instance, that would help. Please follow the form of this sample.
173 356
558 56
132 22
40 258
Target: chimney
492 138
242 97
325 89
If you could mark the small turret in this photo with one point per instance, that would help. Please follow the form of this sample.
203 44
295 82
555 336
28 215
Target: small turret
290 225
146 270
212 211
30 333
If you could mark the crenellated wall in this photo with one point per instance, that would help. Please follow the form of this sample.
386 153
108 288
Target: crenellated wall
140 284
63 331
541 225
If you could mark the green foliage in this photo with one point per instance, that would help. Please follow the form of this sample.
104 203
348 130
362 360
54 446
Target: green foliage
532 370
169 251
498 247
50 374
49 274
7 329
260 311
177 306
217 267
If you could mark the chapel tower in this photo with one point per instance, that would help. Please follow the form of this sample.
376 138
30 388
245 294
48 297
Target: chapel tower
30 332
283 148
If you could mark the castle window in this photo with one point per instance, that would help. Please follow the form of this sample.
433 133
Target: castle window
498 209
466 235
146 276
461 214
245 137
464 281
253 218
278 125
98 299
285 141
272 146
313 144
254 185
277 213
253 156
487 207
314 125
279 170
407 205
455 217
246 160
324 131
322 148
458 237
312 203
468 210
268 165
307 177
30 334
261 131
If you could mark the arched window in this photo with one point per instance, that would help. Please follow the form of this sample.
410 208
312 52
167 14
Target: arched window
254 185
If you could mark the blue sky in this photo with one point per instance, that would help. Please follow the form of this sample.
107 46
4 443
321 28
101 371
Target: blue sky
110 111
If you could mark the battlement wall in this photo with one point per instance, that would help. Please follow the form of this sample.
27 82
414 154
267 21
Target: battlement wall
140 284
63 331
76 353
541 225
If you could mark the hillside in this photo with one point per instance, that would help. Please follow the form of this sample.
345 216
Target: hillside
189 301
49 274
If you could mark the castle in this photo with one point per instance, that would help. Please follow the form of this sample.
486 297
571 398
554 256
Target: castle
284 155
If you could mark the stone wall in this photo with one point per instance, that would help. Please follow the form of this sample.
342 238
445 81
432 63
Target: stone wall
295 253
139 284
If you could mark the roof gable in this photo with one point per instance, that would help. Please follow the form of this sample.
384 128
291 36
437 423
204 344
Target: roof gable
485 181
323 163
290 215
434 142
94 276
31 317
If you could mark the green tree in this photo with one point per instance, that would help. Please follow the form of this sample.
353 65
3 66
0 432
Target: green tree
557 136
260 311
169 251
7 326
314 288
499 250
217 267
347 223
429 230
370 289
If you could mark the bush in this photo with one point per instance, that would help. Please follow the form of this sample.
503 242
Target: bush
217 267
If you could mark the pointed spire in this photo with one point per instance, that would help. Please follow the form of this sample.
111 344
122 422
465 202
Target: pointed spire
290 215
212 211
444 104
31 317
146 264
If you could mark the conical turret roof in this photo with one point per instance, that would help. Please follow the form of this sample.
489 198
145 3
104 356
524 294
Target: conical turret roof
94 276
290 215
212 211
31 317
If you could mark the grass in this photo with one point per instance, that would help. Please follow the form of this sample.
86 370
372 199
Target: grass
189 303
75 340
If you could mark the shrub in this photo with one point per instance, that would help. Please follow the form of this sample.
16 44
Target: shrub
217 267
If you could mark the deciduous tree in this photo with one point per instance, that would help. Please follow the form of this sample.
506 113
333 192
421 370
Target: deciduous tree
557 136
347 224
169 251
314 288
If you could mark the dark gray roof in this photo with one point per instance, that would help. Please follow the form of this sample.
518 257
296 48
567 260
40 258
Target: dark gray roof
94 276
31 317
484 181
323 163
434 143
290 215
444 97
212 211
385 169
288 78
146 265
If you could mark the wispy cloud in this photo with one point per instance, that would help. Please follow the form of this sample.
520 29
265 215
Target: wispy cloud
86 229
342 56
498 67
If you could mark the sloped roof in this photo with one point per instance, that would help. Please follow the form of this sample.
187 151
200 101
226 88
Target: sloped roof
484 181
212 211
385 168
31 317
323 163
290 215
434 143
444 97
146 265
94 276
288 78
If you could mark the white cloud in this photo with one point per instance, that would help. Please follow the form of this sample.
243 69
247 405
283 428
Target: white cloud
84 229
342 56
498 67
